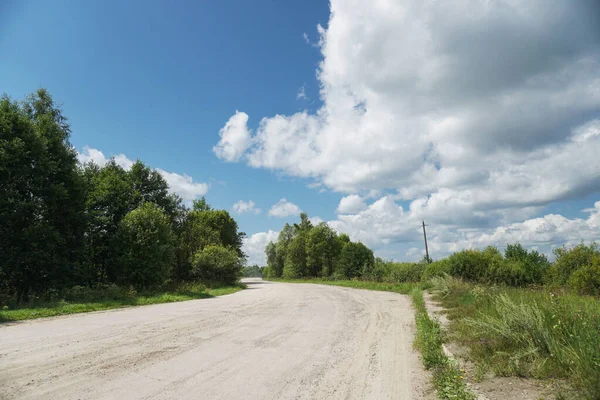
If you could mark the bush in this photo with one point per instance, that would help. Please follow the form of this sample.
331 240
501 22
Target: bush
530 266
405 272
586 280
471 265
436 268
146 248
570 260
217 265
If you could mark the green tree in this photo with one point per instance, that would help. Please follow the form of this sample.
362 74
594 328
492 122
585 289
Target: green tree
275 268
295 259
217 265
355 259
227 228
322 250
194 235
146 249
42 196
150 186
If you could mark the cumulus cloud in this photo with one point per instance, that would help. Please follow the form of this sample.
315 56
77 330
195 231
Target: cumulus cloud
351 204
254 246
284 208
242 206
182 185
235 138
452 92
476 115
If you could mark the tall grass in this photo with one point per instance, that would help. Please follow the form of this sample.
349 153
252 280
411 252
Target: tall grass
527 333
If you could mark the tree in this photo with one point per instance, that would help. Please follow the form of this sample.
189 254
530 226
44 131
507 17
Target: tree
217 265
295 259
194 235
355 259
201 205
273 264
41 196
146 250
322 250
227 228
150 186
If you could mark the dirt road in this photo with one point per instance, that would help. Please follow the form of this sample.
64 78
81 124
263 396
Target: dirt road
271 341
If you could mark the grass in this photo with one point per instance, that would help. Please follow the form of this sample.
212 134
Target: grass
402 288
530 333
108 301
448 379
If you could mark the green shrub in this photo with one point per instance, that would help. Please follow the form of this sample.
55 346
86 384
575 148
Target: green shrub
217 265
405 272
586 280
471 265
436 268
533 265
146 247
569 260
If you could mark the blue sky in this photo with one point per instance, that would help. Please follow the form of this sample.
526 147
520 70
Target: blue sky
461 129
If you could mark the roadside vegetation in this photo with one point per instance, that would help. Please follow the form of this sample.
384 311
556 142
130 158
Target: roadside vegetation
516 313
85 237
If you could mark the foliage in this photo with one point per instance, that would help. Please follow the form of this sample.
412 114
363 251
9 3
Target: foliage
436 268
355 259
447 378
145 247
253 271
569 260
295 260
83 299
388 271
586 280
65 225
527 333
217 265
41 197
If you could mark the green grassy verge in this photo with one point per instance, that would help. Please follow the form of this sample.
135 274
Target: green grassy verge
448 379
183 293
527 333
402 288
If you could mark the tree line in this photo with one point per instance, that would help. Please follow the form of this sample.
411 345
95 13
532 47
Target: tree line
303 251
64 224
306 251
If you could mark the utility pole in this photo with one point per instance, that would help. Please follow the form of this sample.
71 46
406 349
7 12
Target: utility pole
426 249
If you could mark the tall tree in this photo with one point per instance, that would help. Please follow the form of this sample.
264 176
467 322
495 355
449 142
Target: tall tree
41 196
145 247
322 249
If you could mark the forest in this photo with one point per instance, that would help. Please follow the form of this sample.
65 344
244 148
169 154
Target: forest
68 228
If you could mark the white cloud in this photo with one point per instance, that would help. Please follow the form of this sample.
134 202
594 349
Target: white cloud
242 206
254 247
301 95
284 208
351 204
315 220
98 158
454 114
235 138
182 185
477 114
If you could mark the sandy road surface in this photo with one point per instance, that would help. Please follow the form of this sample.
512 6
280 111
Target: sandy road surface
272 341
